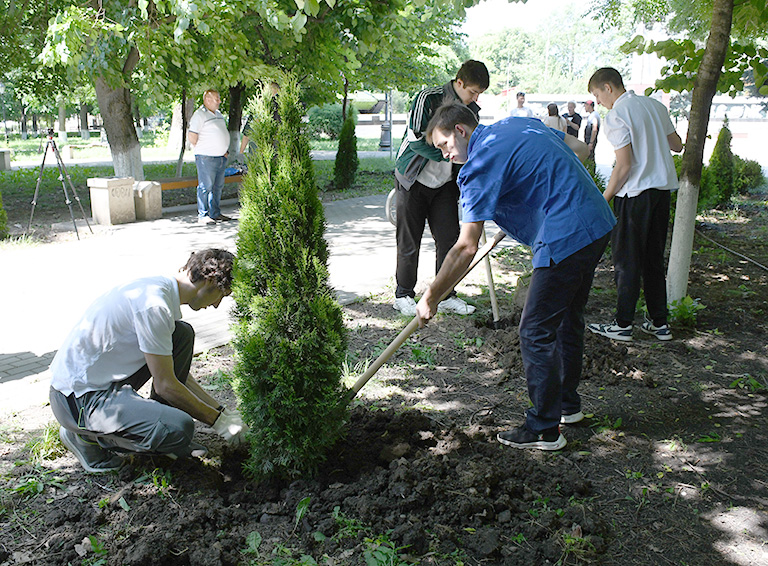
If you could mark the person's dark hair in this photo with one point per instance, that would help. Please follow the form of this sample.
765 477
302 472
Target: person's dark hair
519 94
447 116
552 109
211 265
606 75
474 73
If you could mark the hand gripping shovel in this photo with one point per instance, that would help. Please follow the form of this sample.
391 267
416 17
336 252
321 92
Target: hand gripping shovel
414 324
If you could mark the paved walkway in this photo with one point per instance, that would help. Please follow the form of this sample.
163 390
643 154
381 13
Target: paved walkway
46 288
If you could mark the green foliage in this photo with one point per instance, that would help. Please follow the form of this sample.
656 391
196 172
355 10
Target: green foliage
747 175
46 446
290 336
3 219
380 551
325 121
683 312
717 179
597 177
345 168
750 383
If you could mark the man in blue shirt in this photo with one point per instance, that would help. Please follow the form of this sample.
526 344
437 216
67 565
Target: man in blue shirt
526 178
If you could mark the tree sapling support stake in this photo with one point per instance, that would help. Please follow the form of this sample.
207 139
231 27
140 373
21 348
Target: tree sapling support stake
414 324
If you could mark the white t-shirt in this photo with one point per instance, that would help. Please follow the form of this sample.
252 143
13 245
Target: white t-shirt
435 174
556 123
643 122
109 342
212 132
523 112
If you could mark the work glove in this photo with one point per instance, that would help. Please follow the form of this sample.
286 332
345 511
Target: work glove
230 426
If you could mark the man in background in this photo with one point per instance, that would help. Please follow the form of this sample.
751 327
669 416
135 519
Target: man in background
426 187
641 182
209 137
592 128
521 110
574 120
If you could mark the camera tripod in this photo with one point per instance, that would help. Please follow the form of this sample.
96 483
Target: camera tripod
51 144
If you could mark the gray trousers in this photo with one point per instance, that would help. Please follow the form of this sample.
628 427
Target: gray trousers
120 419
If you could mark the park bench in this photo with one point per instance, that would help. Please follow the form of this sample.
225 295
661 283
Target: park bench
186 182
70 148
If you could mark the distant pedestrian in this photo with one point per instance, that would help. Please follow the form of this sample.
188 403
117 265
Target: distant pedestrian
209 137
574 120
521 110
642 135
553 119
592 128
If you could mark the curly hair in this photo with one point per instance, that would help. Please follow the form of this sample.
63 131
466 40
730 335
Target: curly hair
212 265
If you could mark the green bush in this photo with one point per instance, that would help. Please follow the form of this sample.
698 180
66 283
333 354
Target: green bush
345 168
747 175
717 178
290 337
597 177
325 121
3 220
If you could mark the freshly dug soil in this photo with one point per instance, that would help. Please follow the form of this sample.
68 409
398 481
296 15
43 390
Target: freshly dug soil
669 468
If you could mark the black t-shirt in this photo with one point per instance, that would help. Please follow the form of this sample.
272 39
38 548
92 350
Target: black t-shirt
576 118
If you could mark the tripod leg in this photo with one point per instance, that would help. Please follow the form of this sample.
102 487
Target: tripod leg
64 187
37 188
65 174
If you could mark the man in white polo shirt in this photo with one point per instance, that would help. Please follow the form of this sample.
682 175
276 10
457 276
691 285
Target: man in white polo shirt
642 135
209 137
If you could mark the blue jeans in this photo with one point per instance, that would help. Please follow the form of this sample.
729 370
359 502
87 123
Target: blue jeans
552 335
210 178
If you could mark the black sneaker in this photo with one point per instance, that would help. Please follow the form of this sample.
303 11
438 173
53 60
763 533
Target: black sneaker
521 437
92 457
661 332
612 331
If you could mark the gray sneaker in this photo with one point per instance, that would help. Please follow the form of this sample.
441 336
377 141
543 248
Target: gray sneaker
92 457
612 331
661 332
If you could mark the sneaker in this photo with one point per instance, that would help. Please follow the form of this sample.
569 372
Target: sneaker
206 220
573 418
91 456
222 218
521 437
455 305
406 306
661 332
612 331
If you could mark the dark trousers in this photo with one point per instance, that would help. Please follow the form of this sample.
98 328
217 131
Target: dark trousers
637 243
119 419
439 207
552 335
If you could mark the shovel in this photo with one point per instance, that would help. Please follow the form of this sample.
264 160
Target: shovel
414 324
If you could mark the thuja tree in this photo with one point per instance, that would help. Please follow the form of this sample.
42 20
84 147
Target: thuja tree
290 338
345 167
717 178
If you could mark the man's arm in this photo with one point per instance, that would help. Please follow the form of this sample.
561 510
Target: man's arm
675 143
578 147
176 393
244 143
454 265
620 172
192 138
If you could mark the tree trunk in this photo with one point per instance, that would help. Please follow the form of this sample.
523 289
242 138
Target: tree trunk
344 102
62 121
704 89
175 139
115 106
24 130
235 118
184 123
34 123
85 133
